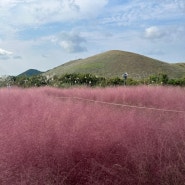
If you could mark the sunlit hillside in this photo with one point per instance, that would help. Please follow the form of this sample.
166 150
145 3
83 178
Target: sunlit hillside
114 63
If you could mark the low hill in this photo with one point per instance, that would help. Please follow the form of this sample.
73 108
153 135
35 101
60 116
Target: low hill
30 72
114 63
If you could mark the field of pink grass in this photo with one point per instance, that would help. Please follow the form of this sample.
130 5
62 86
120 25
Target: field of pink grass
49 138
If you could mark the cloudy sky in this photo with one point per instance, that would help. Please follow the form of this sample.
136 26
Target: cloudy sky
43 34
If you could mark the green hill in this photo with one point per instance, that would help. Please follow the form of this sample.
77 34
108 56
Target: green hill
114 63
30 72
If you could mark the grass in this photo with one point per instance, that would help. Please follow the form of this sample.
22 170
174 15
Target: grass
49 140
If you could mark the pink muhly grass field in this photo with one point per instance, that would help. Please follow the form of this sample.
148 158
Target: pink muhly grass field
47 139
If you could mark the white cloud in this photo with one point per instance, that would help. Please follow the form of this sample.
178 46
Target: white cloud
34 12
153 32
8 3
140 11
72 42
91 8
5 52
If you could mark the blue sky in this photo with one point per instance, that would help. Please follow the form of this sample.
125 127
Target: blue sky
43 34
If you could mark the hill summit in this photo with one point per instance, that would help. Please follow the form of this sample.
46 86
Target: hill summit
114 63
30 72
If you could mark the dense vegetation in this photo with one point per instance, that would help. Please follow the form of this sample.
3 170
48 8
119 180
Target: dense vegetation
47 138
75 79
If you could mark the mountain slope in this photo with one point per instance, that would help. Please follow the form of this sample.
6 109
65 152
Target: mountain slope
30 72
114 63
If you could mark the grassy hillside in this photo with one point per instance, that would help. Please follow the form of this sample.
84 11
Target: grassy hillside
114 63
180 66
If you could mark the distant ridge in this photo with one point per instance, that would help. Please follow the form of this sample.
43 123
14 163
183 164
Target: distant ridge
30 72
114 63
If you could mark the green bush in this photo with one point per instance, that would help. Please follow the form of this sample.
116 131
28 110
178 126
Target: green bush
76 79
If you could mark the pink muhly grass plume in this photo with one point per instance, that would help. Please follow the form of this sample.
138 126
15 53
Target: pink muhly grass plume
47 139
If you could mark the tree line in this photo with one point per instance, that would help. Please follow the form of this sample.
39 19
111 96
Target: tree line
76 79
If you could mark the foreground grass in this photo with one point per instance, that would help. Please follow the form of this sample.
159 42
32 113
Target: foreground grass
46 139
